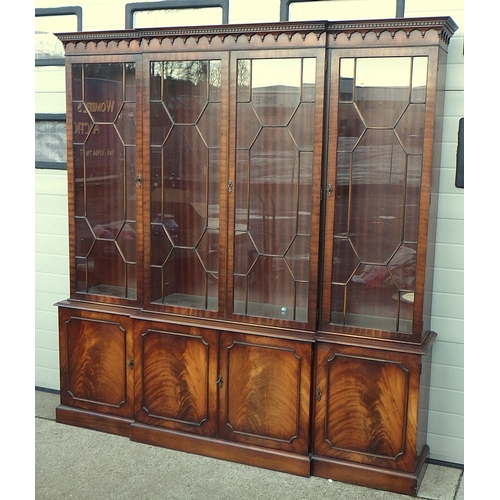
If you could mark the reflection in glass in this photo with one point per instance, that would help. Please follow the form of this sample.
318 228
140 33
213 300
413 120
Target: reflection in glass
419 79
274 143
185 157
379 161
104 170
381 89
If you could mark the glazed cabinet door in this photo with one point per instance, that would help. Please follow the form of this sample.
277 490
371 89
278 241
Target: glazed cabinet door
186 118
265 391
378 182
104 179
97 362
176 377
274 187
366 406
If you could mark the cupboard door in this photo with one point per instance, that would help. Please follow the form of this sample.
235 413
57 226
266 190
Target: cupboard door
377 176
186 115
96 362
177 374
273 224
265 391
103 171
366 406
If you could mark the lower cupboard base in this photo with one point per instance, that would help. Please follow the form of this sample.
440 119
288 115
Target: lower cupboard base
225 450
406 483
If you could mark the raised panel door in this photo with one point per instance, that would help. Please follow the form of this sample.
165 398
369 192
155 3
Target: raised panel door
366 406
265 391
96 357
177 375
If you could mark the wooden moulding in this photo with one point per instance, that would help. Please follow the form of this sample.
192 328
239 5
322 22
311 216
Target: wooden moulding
372 477
241 36
110 424
280 461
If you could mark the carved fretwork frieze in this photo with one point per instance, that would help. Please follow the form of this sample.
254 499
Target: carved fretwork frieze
443 26
269 34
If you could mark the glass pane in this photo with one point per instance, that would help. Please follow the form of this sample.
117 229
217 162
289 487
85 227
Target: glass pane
245 135
303 136
274 168
308 79
215 81
243 79
382 89
410 129
351 127
50 141
419 79
305 179
185 162
274 140
185 89
185 158
79 173
347 79
412 197
104 167
377 191
343 10
276 87
178 17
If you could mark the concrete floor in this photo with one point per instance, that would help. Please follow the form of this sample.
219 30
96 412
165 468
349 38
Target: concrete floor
74 463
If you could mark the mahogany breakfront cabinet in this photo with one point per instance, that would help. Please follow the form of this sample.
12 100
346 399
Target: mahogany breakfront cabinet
252 212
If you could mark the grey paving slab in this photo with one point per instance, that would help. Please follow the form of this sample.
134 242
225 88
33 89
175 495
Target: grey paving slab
440 483
460 492
81 464
45 404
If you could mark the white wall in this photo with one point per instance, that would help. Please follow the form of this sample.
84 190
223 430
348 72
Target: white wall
446 420
51 270
446 417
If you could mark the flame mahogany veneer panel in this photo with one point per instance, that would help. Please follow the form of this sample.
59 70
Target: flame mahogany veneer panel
95 356
176 372
367 406
266 391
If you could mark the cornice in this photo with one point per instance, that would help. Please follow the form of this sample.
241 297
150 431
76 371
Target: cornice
197 32
444 26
